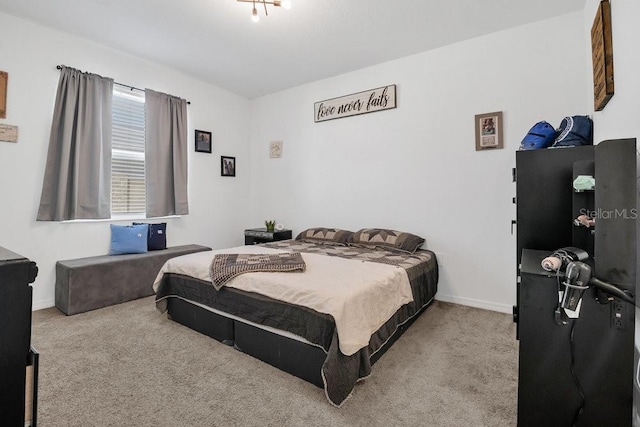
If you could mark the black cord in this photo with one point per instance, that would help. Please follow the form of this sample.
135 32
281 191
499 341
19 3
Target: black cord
572 348
572 345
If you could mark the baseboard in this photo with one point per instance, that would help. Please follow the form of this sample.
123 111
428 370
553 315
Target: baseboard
487 305
42 304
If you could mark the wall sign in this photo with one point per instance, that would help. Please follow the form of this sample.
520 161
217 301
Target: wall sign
4 76
8 133
602 55
382 98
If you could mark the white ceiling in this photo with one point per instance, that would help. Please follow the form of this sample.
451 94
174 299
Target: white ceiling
216 41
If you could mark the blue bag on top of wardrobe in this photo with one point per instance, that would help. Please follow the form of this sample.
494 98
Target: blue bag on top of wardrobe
574 130
541 135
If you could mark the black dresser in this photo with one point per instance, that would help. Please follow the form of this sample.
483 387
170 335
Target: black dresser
18 361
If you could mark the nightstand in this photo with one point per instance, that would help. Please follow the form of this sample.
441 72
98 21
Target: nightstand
253 236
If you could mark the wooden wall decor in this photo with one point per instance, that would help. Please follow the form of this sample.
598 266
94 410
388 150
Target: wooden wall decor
8 133
4 77
382 98
602 54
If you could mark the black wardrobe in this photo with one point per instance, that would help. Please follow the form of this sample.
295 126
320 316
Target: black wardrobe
18 361
576 370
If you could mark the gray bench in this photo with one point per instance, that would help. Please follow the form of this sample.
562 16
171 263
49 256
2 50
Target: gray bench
89 283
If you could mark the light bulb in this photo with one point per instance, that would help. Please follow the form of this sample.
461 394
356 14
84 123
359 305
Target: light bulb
286 4
254 15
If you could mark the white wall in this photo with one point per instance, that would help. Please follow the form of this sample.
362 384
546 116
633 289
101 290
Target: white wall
412 168
30 53
415 168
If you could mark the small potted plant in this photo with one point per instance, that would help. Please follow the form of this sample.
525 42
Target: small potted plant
271 225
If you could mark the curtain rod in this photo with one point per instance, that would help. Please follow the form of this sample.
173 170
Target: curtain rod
59 67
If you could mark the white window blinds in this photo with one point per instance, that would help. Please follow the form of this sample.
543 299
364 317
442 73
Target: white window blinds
127 164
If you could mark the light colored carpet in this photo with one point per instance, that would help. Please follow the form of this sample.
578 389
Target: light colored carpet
128 365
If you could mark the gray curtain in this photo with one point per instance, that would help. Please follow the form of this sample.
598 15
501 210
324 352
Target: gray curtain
165 154
77 178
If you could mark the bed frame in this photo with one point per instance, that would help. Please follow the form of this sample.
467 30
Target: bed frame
295 357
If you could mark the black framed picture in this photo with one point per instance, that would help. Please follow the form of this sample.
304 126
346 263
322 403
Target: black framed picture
227 166
203 141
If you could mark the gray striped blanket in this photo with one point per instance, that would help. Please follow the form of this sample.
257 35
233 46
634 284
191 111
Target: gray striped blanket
225 267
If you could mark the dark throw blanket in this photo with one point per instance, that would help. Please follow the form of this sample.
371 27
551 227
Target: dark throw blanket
225 267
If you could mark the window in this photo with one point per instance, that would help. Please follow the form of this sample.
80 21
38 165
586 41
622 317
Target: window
127 151
72 193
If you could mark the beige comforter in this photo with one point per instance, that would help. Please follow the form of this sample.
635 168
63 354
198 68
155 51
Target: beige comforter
360 296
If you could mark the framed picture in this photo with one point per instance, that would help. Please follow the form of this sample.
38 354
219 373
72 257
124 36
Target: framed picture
203 141
227 166
489 131
275 149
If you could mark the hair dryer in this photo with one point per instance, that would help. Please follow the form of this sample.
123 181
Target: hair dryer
578 278
563 256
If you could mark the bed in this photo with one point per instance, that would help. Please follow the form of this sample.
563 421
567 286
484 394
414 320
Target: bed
327 321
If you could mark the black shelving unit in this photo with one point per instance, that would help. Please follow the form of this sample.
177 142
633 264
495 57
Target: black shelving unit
593 350
544 200
584 204
16 354
544 196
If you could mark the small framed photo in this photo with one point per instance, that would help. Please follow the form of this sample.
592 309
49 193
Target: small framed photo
227 166
203 141
489 131
275 149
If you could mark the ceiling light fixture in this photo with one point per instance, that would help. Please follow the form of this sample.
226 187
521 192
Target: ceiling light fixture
285 4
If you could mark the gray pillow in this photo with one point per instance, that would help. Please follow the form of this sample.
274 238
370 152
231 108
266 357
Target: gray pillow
325 236
387 239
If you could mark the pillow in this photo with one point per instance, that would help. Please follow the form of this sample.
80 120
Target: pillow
388 239
157 237
128 239
326 236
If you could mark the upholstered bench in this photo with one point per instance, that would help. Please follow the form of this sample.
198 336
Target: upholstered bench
89 283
